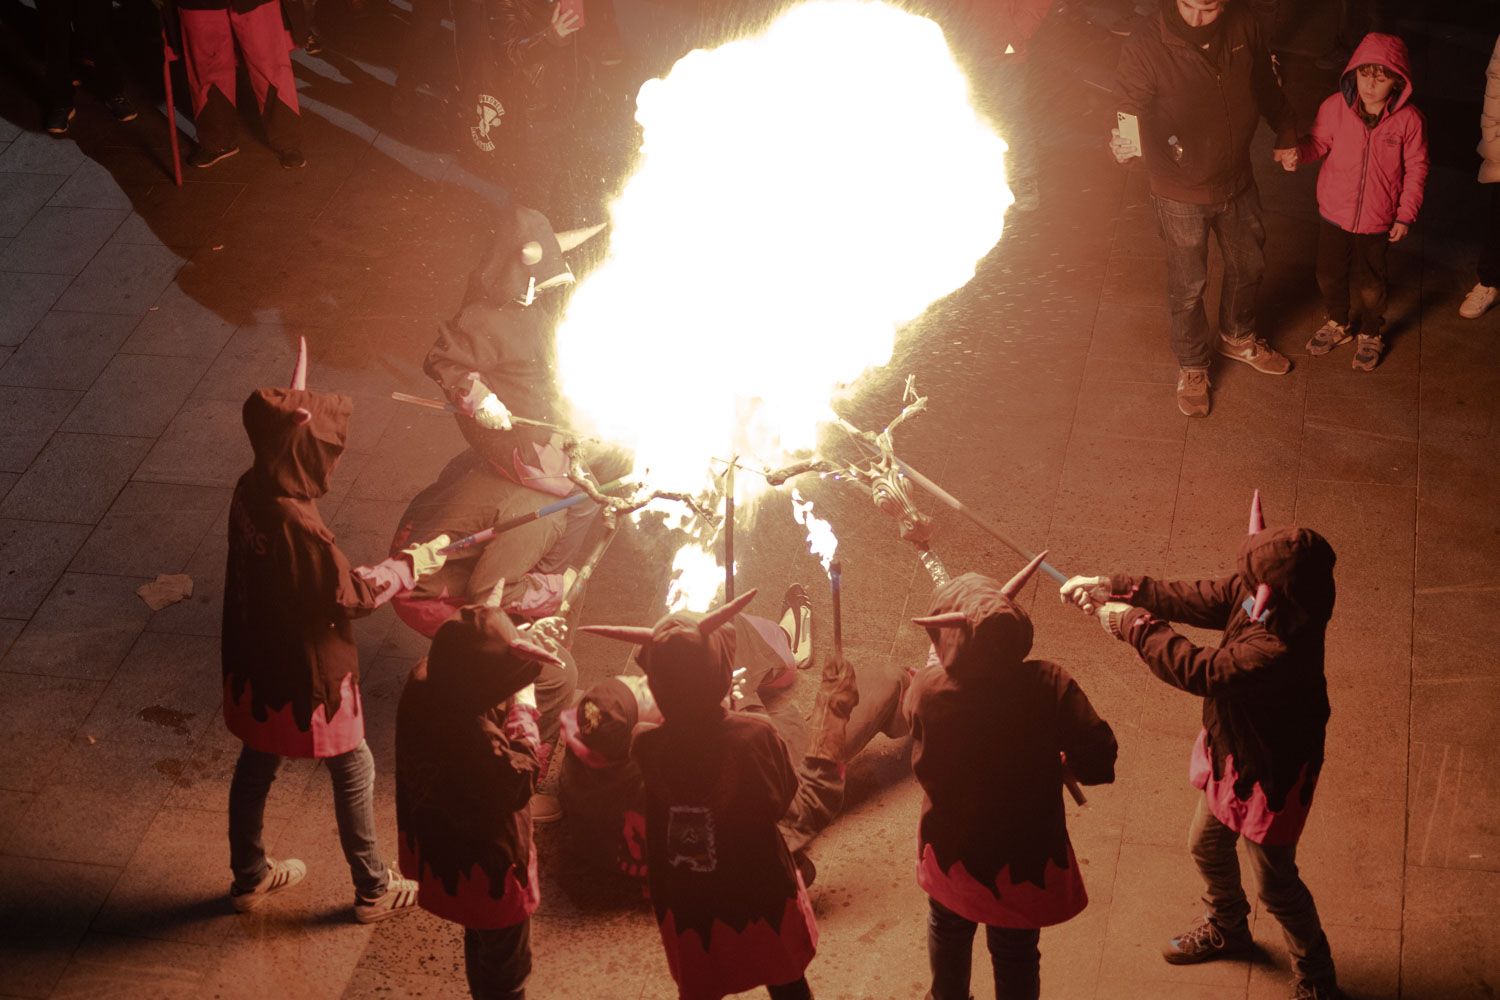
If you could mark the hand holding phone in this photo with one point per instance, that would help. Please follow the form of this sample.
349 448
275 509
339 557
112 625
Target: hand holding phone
567 17
1125 140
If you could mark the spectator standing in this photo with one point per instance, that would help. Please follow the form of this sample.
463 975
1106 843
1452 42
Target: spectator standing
1369 191
212 32
88 21
1484 294
1198 78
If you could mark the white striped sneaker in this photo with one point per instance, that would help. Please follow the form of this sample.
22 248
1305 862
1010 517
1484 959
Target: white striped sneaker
400 895
279 875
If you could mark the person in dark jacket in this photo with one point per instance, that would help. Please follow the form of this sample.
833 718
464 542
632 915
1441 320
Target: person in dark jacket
466 766
216 36
1265 709
1197 77
731 907
994 735
1369 191
290 666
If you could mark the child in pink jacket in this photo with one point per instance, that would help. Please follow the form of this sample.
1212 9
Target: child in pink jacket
1368 193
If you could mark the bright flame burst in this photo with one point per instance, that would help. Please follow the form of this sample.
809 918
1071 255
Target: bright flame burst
821 540
799 196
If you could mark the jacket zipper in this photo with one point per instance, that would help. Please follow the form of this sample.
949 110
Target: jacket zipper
1364 169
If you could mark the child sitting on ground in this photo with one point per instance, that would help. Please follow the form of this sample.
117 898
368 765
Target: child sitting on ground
1368 193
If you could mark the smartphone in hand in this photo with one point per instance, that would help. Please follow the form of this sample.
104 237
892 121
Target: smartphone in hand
1129 127
574 7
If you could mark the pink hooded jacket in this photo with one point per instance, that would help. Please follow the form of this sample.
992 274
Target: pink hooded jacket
1374 176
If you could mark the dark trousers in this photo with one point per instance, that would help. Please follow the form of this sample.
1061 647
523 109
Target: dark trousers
1282 891
791 991
353 775
1489 255
1013 954
1185 227
427 54
85 22
1353 262
498 963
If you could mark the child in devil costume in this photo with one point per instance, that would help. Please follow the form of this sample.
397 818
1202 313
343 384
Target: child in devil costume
290 667
731 907
493 362
994 735
601 785
466 766
1265 708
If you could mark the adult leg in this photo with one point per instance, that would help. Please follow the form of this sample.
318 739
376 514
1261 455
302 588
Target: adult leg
517 552
91 21
1184 228
262 40
208 56
353 775
497 963
1211 844
1017 962
1287 898
950 946
1242 241
1333 270
56 17
420 46
253 774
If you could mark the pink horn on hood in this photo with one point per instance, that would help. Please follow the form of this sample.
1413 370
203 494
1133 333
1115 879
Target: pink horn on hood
299 373
722 614
1262 592
1014 584
638 634
948 619
525 649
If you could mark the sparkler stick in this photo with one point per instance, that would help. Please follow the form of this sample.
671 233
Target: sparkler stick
481 537
438 404
729 529
952 501
836 580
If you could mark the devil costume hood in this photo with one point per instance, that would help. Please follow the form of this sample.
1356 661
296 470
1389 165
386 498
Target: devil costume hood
732 910
990 731
291 670
1265 700
503 335
466 767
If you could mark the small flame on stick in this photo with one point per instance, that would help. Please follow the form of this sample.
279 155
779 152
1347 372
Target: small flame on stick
696 578
821 540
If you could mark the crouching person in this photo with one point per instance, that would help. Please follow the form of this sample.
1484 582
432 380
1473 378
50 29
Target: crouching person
994 735
466 767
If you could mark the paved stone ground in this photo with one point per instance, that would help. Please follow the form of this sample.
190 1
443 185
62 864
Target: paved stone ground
135 317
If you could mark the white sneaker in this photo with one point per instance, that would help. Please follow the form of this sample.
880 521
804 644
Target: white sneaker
400 896
279 875
1478 301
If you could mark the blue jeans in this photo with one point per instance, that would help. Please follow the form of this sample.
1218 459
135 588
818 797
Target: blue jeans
353 776
1013 954
1237 227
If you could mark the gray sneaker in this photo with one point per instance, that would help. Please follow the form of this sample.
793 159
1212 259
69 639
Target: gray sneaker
1206 942
1256 353
1328 336
1367 352
1193 392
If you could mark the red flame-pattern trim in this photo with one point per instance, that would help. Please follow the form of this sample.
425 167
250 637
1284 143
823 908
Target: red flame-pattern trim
736 961
279 733
474 903
1005 904
1251 818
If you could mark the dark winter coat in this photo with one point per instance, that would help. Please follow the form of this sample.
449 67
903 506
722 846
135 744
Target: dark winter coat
990 732
1265 700
1199 110
545 74
466 767
1374 177
291 669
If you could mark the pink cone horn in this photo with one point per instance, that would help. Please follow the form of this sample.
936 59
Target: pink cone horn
948 619
299 374
570 238
722 614
525 649
1262 592
638 634
1014 584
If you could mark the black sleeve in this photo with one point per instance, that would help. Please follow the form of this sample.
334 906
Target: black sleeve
1086 741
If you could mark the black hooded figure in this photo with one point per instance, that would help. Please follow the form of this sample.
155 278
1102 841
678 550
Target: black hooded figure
466 767
994 735
732 909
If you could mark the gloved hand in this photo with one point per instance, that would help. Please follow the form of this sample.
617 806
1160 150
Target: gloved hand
483 405
526 696
388 577
425 558
550 632
1088 592
1110 614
